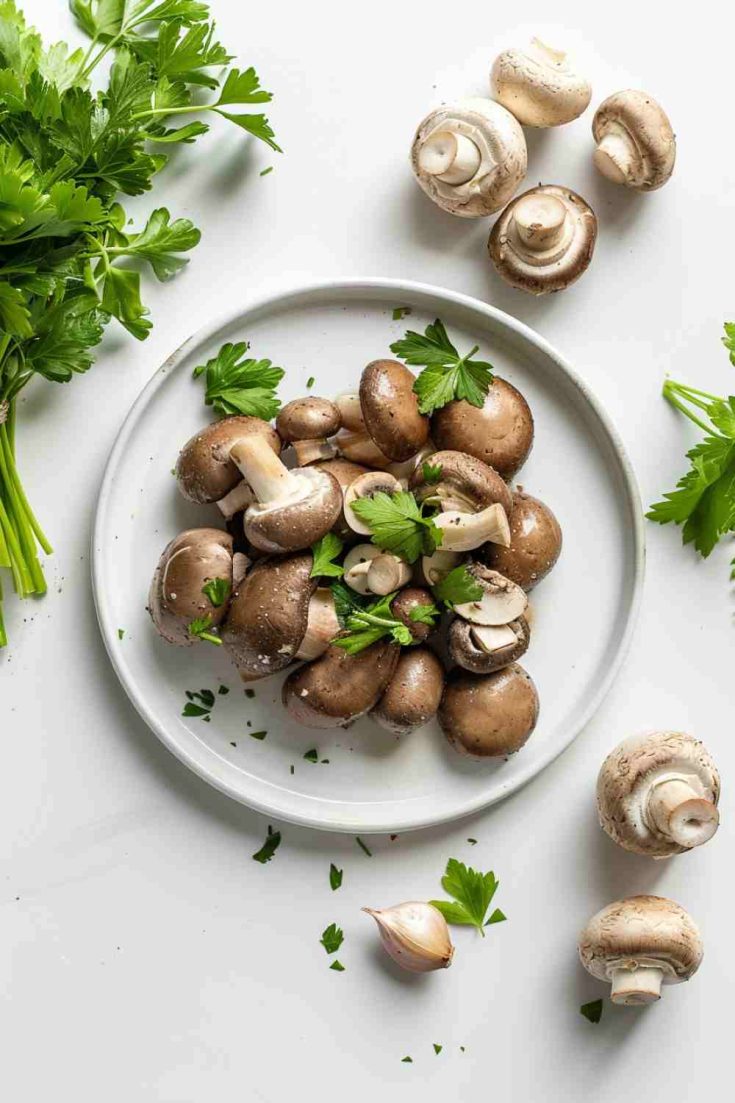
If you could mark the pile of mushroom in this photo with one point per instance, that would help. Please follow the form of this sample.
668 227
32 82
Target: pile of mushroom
281 490
470 157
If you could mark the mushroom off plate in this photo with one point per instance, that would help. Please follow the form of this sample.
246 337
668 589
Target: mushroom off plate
373 781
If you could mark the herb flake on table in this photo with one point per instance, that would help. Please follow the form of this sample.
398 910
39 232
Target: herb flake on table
324 552
223 690
406 1060
311 755
447 375
437 1048
472 894
362 846
335 877
337 966
265 172
310 382
236 384
121 633
399 524
592 1011
332 938
258 735
269 847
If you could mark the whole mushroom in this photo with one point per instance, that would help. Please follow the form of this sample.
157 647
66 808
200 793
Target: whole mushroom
412 696
657 794
391 409
469 157
539 86
178 595
403 607
535 543
336 688
500 432
489 715
205 471
639 944
544 240
309 418
636 145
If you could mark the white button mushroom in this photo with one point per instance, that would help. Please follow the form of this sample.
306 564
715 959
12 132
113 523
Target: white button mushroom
538 85
636 145
639 944
469 157
657 794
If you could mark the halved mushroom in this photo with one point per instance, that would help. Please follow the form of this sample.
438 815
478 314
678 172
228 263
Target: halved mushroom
638 944
177 594
294 509
535 543
657 794
544 240
483 648
465 484
467 531
337 687
345 472
469 157
489 715
368 570
500 432
204 470
391 409
433 568
308 418
412 696
538 85
636 145
364 486
403 606
502 600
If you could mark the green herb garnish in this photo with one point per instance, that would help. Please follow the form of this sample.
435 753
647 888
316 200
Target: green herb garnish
121 633
406 1060
335 877
332 938
362 846
250 693
400 312
592 1011
325 551
472 894
424 614
457 587
431 473
199 629
238 385
472 842
446 375
190 709
398 524
365 626
310 382
312 755
217 590
437 1048
269 847
337 966
266 171
258 735
223 690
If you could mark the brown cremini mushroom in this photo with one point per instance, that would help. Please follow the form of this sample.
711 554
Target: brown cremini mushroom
535 543
365 486
391 409
177 595
636 145
484 648
308 418
337 688
413 694
657 794
345 472
501 601
358 446
638 944
404 604
204 470
489 715
465 484
500 432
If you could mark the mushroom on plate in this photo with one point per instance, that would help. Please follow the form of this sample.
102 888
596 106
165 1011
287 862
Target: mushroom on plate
639 944
469 157
205 471
365 486
336 688
308 418
391 409
403 606
483 648
535 543
489 715
293 509
544 240
474 500
345 472
539 86
500 432
179 590
657 794
368 570
412 696
636 145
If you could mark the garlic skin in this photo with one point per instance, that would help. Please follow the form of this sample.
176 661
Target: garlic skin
415 935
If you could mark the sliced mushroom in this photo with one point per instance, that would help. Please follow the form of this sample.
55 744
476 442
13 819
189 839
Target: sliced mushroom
313 451
204 470
638 944
308 419
467 531
412 696
502 600
391 409
544 240
469 157
337 687
403 606
484 648
435 567
500 432
345 472
489 715
535 543
636 145
465 484
294 509
357 445
177 596
356 566
538 85
368 570
657 794
364 486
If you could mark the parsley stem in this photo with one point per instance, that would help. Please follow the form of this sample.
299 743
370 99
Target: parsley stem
210 638
670 394
6 446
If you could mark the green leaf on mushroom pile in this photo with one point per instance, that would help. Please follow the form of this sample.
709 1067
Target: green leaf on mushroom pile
398 524
446 375
432 473
236 384
217 590
199 628
457 587
325 551
367 624
424 614
472 894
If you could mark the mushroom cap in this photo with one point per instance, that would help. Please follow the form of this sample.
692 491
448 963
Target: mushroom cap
404 603
204 470
538 86
308 418
466 482
413 694
636 143
268 614
489 715
391 409
544 239
365 486
626 777
291 525
176 596
500 432
345 472
337 687
503 157
535 543
467 651
642 931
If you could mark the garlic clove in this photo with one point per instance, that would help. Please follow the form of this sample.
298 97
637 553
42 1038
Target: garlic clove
415 935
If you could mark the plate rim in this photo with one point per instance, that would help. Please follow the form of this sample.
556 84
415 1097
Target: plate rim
356 285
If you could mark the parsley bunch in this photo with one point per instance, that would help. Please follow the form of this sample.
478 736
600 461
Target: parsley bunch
367 622
69 260
399 524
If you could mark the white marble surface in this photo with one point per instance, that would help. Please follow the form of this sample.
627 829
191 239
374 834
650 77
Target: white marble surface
144 955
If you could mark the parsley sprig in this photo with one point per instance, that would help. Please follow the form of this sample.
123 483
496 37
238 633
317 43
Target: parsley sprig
236 384
399 524
472 894
199 629
457 587
325 551
446 375
367 622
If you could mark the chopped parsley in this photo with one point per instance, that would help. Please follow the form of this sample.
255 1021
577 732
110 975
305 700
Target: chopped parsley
236 384
312 755
592 1011
217 590
269 847
332 938
325 551
335 877
362 846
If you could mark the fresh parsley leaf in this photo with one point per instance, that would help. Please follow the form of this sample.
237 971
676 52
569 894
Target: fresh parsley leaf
457 587
432 473
160 243
269 847
365 626
362 846
472 894
446 375
346 601
332 938
335 877
592 1011
217 590
398 524
312 755
190 709
199 629
729 340
424 614
337 966
236 384
325 551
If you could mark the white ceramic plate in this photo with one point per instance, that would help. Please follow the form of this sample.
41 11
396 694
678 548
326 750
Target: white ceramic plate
372 780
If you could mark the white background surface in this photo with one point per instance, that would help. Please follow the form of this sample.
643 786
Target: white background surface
145 957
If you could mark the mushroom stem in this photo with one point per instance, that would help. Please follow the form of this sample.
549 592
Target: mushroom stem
450 157
270 479
240 497
313 451
321 626
387 573
540 220
350 411
466 531
679 812
615 157
641 985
